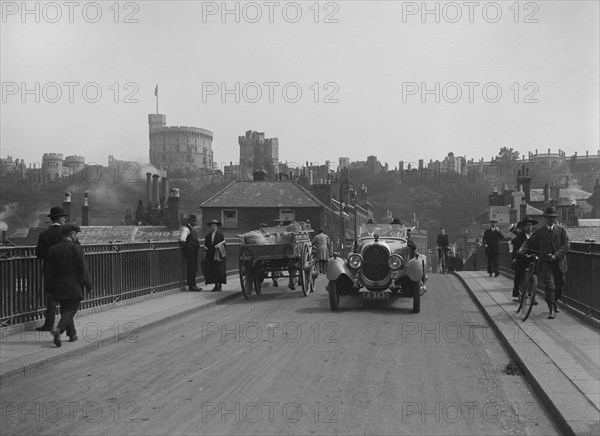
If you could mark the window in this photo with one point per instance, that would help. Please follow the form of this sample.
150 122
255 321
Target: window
229 217
287 215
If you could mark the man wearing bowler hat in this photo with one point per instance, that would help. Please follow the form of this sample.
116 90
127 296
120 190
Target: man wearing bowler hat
491 242
47 239
68 275
190 245
552 241
519 261
214 247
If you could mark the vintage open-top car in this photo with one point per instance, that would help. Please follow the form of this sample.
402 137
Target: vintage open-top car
381 266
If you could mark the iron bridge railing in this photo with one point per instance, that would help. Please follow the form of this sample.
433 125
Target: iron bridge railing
119 272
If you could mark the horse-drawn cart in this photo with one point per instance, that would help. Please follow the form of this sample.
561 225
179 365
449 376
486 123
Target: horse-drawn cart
275 251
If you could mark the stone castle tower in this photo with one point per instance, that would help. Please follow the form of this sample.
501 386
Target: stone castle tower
258 154
179 147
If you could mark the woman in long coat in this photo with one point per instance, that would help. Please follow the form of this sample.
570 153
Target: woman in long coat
214 249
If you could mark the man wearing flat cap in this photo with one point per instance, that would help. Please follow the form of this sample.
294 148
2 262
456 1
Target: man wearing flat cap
47 239
519 261
190 245
68 275
214 247
552 241
491 242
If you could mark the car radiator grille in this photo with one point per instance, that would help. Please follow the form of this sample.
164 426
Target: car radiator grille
375 265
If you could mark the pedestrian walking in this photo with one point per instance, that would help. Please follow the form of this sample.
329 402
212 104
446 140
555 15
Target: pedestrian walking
47 239
215 252
322 245
68 275
520 262
552 241
188 241
443 246
491 242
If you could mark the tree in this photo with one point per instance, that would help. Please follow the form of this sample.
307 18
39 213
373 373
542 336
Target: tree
507 154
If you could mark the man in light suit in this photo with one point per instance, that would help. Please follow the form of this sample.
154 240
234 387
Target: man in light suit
550 240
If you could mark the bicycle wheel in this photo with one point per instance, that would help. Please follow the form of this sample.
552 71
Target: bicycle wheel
522 291
530 297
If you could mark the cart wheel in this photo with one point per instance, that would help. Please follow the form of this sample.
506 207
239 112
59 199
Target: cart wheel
245 280
305 277
314 273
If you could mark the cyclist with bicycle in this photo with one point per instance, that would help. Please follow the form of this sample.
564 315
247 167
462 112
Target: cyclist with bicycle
491 242
520 261
552 241
443 246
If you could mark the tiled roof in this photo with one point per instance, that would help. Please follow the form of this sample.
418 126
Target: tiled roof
263 194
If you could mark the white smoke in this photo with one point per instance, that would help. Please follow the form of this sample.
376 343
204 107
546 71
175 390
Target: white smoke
8 210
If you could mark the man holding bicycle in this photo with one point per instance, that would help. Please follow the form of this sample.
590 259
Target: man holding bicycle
552 241
520 262
443 245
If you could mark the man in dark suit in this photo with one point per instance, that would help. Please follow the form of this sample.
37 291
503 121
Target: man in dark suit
443 245
47 239
552 241
190 245
214 248
520 261
68 274
491 242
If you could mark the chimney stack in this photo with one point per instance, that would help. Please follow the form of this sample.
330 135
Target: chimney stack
164 190
85 211
173 210
155 189
149 189
67 206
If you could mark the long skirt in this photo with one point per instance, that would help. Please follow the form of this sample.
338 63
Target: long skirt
215 272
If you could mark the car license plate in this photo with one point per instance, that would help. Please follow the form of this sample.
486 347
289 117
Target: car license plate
376 295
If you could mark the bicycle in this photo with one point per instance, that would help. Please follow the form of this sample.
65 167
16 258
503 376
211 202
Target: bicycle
528 286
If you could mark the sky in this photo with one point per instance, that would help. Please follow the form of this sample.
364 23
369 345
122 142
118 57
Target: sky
399 80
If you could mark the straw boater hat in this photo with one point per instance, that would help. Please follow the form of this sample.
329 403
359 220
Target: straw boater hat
217 222
550 211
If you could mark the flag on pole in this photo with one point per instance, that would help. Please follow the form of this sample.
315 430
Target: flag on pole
156 90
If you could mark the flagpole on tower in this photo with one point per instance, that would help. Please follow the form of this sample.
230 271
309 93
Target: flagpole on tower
156 94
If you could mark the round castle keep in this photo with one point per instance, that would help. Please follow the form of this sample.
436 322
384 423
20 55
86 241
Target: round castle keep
179 147
75 163
52 164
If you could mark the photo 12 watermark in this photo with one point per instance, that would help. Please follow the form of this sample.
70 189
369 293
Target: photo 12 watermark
253 332
469 412
270 12
468 332
69 92
469 92
70 12
270 411
470 12
53 412
270 92
90 332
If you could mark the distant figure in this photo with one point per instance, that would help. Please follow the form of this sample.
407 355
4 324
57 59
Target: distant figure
552 241
214 246
410 242
322 246
47 239
491 242
443 246
188 241
520 261
68 274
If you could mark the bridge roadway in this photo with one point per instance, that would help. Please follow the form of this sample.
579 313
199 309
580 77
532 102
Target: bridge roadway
282 363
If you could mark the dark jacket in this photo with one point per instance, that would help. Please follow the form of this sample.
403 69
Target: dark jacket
555 242
209 246
47 239
67 272
442 240
491 239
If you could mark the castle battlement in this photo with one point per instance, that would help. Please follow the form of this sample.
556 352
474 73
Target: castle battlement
182 129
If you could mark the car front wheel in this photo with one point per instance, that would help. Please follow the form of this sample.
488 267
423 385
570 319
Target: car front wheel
334 296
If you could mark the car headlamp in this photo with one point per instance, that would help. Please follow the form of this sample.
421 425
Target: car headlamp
395 261
355 261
